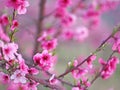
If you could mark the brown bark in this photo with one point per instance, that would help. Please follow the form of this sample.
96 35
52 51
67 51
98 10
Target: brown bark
39 25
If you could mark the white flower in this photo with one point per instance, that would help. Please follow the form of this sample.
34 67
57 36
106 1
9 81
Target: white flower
19 76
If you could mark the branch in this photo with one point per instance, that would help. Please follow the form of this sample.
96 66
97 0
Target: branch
102 68
97 50
43 82
48 15
49 74
39 25
13 32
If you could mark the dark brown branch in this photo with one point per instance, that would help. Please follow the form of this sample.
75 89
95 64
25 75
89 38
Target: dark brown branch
39 24
48 15
14 14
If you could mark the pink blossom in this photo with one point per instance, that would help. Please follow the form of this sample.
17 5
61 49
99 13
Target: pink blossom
43 59
13 3
3 36
108 5
92 13
75 63
81 33
113 62
19 58
17 86
64 19
22 8
82 83
50 44
64 3
110 67
79 73
85 82
79 85
53 62
46 57
4 78
82 5
32 86
11 62
23 67
47 42
9 50
43 37
4 19
75 88
14 25
52 80
116 45
37 57
94 22
60 12
68 35
68 20
18 76
19 5
51 31
90 60
102 62
33 71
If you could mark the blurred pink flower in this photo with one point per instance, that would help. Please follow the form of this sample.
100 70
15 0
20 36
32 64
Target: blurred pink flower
14 25
18 76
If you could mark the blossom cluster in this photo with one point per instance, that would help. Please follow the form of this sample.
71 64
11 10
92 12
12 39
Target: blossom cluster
5 22
20 74
15 66
68 14
110 67
19 5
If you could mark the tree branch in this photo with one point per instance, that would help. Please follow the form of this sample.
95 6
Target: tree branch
97 50
43 82
39 25
96 77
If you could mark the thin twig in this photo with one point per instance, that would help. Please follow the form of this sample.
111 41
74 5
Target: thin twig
49 74
96 77
43 82
97 50
13 32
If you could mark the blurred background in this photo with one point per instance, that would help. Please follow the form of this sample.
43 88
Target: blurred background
68 50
